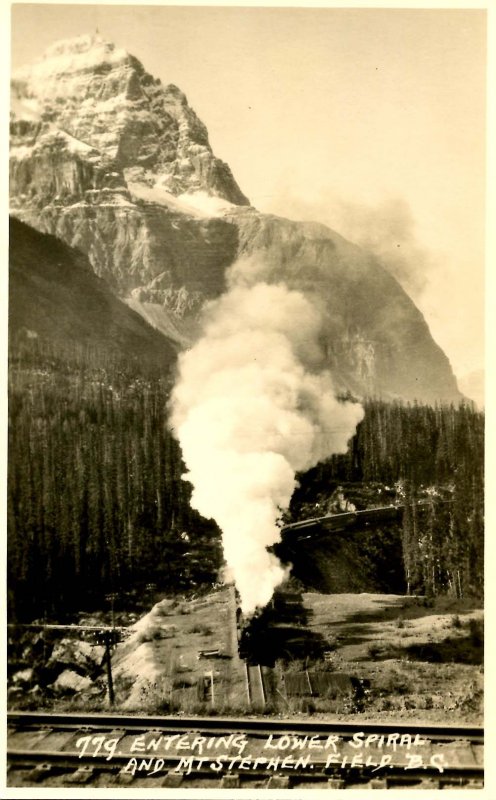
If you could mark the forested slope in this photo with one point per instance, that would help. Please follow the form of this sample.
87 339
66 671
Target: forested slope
406 454
96 501
97 505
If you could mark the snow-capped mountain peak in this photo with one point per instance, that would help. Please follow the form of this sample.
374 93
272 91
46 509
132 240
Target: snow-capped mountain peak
102 97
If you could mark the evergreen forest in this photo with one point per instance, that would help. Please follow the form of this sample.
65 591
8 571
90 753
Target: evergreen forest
97 505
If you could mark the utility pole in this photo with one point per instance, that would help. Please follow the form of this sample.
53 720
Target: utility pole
109 637
106 636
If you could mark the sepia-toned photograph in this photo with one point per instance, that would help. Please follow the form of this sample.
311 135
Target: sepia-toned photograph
246 406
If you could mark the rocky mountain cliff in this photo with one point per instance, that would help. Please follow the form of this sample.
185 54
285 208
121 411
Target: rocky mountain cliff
119 166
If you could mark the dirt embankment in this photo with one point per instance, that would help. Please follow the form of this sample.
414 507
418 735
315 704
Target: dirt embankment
383 657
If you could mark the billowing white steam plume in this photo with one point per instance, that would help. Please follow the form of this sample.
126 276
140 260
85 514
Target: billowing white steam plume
251 407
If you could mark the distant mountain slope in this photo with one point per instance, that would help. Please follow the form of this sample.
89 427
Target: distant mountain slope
117 165
55 296
376 340
473 386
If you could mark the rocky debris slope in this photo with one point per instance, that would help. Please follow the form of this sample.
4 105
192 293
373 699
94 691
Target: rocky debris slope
58 665
119 166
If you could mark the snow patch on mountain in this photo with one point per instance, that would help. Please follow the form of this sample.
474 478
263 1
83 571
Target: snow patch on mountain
194 204
206 204
26 108
159 194
65 58
76 145
21 152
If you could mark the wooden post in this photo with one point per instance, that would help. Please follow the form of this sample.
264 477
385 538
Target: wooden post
212 687
108 662
247 676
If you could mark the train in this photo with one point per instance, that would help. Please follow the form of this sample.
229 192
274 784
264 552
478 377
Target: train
277 631
343 521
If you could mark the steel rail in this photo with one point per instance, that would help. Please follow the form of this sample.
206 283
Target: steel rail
84 766
254 726
100 760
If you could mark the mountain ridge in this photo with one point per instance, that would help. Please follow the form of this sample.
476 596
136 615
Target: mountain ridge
56 298
137 188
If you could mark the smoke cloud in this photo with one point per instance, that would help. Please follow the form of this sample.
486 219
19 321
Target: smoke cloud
386 228
252 405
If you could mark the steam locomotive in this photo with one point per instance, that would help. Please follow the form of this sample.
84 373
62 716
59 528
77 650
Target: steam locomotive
277 631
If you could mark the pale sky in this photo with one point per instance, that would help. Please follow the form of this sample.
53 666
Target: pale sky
371 121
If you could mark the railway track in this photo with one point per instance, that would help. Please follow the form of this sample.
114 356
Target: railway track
113 750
